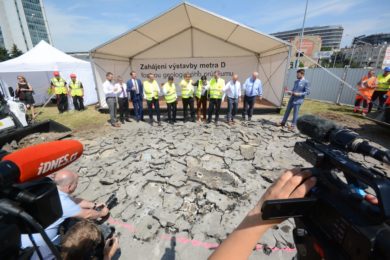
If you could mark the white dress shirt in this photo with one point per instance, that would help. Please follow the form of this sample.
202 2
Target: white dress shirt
121 90
109 89
232 89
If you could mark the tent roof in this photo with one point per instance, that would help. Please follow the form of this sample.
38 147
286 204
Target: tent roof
179 20
42 57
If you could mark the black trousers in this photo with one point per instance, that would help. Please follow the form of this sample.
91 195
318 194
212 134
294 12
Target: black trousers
124 112
249 103
188 102
377 95
359 101
214 103
78 103
62 103
154 102
172 107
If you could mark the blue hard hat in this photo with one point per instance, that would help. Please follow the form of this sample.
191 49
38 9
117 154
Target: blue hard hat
386 69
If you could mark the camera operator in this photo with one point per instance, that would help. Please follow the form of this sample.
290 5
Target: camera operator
84 240
66 182
240 243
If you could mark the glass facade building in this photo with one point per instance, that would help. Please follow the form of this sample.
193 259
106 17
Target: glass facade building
330 35
23 23
35 21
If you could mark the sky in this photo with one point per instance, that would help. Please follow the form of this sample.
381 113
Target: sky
80 25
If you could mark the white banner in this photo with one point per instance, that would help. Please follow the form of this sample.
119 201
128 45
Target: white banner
197 67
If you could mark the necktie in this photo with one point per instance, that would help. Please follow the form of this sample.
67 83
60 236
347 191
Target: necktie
136 86
235 91
123 91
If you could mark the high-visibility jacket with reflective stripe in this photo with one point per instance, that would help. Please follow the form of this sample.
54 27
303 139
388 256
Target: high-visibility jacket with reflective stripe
187 89
59 86
198 92
216 88
383 83
75 88
151 90
170 92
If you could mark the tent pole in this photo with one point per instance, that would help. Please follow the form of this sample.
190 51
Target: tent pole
286 75
92 62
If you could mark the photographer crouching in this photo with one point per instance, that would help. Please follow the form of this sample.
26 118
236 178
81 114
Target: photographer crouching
72 207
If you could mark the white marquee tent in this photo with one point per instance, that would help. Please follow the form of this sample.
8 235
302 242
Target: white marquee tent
38 65
187 38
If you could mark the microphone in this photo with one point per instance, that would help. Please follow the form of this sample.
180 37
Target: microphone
323 130
38 160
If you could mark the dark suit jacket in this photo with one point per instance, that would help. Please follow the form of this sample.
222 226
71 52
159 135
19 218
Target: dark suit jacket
132 92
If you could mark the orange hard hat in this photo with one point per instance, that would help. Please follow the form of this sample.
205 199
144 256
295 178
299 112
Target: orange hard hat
72 75
56 73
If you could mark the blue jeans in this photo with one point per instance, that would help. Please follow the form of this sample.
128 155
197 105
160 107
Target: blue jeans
296 108
232 108
138 111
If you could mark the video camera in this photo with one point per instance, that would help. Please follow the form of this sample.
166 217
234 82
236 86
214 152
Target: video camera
28 202
335 220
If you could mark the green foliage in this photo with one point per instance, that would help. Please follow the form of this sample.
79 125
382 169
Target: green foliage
4 55
15 52
326 48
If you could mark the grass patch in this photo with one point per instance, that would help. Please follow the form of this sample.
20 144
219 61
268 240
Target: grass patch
330 110
88 119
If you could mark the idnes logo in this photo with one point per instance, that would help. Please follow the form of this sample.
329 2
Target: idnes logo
45 167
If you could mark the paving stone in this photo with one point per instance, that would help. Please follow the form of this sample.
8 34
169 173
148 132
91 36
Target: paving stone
247 151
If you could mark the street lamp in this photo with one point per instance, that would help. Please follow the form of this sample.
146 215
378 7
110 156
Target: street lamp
302 32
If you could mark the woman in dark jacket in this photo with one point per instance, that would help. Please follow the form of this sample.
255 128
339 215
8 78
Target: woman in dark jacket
25 93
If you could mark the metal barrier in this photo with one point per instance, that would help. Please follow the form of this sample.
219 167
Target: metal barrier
327 88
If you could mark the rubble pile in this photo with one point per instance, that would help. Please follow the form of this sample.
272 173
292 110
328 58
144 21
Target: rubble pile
197 180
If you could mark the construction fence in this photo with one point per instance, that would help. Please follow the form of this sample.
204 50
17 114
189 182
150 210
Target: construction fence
325 87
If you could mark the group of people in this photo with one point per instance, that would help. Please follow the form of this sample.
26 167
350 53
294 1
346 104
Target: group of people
208 95
371 89
60 88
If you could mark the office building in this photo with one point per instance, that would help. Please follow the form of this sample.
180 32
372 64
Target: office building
373 39
24 23
330 35
366 55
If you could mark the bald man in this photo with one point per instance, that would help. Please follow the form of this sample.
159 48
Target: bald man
71 207
252 88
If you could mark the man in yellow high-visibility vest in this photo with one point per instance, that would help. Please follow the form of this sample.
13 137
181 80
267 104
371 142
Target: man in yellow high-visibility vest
187 97
77 92
59 87
383 85
151 94
216 86
169 90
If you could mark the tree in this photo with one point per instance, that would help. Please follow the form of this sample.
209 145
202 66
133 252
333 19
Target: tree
326 48
4 55
15 52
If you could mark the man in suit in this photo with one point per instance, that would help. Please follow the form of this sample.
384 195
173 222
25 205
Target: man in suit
298 94
135 88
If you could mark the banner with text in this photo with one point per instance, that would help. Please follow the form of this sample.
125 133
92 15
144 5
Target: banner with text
197 67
